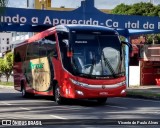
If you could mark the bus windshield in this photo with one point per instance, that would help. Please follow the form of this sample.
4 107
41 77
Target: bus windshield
96 55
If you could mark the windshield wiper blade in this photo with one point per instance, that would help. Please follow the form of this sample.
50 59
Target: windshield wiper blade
75 66
93 63
108 64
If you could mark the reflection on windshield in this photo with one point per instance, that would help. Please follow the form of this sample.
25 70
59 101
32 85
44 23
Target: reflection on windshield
93 55
97 65
100 57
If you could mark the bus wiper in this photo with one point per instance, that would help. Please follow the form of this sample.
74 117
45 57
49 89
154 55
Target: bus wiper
108 64
75 66
93 63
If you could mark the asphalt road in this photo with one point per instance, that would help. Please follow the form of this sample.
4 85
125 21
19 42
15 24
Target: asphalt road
13 106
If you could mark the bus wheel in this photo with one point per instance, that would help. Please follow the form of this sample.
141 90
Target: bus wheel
23 91
58 98
25 94
101 100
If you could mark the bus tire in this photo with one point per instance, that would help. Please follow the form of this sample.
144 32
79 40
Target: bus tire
58 98
101 100
23 91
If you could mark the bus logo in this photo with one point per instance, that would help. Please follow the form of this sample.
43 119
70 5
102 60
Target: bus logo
103 87
36 66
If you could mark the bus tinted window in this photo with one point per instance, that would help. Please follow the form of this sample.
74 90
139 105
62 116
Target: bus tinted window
17 57
33 52
50 43
47 46
42 48
20 53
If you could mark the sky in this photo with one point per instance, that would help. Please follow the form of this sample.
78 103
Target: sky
100 4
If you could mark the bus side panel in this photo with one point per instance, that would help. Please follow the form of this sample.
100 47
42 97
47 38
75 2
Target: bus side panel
19 57
57 70
17 70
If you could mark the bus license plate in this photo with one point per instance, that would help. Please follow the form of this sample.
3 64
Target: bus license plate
103 93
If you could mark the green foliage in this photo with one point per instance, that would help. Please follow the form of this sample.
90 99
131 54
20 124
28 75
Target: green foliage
1 68
6 65
121 9
3 4
7 83
122 38
142 9
149 39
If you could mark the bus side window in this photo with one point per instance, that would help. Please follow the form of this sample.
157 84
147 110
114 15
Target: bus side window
17 57
50 42
42 48
32 51
20 53
63 38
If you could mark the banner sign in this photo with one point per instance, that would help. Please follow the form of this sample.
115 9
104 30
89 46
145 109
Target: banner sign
86 14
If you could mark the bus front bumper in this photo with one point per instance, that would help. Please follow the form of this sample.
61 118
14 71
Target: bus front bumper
96 91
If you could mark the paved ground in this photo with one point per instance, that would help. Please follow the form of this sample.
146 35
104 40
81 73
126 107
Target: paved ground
13 106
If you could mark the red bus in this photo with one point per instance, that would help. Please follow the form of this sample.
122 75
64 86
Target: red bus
71 62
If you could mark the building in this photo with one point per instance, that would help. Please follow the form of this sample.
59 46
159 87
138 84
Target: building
9 39
18 37
47 5
5 42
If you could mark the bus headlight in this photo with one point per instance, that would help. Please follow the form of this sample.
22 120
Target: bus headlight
79 92
78 83
123 91
121 83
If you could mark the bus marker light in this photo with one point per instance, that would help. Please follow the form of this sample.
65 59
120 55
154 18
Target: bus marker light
67 91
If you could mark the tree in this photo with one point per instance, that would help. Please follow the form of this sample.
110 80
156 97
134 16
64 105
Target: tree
7 65
1 66
3 4
142 9
121 9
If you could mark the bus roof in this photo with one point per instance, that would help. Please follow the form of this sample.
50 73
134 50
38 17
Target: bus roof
75 27
67 28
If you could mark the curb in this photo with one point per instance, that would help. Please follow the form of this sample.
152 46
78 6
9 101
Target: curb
143 95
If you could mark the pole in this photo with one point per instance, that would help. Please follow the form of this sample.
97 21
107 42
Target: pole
127 62
27 3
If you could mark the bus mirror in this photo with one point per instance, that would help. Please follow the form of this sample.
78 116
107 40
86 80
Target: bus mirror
65 41
69 50
128 44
